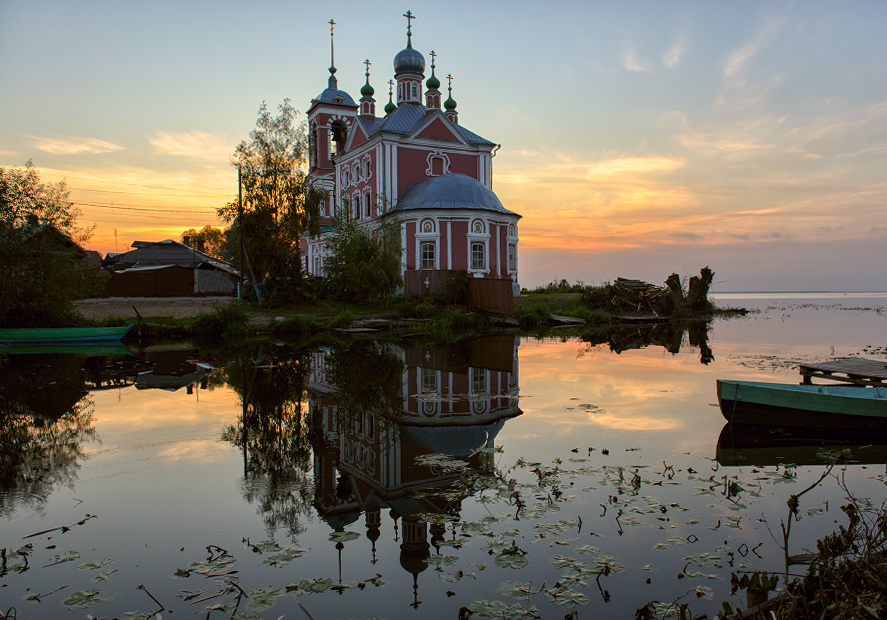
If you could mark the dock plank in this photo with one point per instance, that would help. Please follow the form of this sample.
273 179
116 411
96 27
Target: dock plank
856 370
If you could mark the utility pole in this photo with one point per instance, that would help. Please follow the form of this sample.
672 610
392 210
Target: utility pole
240 227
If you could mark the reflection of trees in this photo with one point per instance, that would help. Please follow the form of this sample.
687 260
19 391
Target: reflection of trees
272 432
44 420
668 335
368 379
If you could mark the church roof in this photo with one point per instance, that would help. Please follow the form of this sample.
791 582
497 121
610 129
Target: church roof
407 118
335 96
450 191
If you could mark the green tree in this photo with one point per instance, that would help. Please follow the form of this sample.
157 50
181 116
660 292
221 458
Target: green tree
365 262
277 210
208 239
42 267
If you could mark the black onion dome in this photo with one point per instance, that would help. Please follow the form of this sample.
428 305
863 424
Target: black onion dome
409 60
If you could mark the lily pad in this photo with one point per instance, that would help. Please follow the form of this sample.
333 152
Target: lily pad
511 560
82 599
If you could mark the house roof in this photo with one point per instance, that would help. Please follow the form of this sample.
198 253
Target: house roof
167 253
450 191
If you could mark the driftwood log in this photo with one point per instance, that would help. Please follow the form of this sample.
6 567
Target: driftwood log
641 298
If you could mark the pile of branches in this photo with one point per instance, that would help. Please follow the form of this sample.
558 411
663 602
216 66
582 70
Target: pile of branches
642 298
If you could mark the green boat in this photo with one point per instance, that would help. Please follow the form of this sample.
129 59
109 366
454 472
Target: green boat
62 335
780 404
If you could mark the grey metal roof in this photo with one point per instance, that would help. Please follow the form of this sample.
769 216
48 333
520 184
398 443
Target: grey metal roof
329 95
450 191
332 92
407 118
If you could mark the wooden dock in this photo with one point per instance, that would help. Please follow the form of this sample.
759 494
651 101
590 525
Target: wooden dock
856 370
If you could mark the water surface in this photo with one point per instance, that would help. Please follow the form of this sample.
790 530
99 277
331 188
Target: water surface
590 472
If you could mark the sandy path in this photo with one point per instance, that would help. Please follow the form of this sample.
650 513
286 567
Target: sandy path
172 307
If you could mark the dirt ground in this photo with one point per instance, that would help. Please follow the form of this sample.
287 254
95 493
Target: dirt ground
172 307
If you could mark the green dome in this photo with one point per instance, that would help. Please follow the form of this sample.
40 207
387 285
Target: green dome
450 103
390 107
432 83
366 90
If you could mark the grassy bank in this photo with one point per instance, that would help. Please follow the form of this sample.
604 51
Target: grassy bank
534 310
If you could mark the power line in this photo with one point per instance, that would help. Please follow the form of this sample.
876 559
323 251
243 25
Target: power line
112 191
147 208
133 184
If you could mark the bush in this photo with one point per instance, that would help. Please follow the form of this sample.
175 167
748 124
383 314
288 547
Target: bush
449 320
414 307
596 296
295 326
456 287
533 316
230 320
364 264
599 316
343 319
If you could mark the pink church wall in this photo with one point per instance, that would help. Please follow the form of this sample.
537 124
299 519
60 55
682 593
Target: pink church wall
412 165
438 131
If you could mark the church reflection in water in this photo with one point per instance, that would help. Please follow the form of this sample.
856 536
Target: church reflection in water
451 399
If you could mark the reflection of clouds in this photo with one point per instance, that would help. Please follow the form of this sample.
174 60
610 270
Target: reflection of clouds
639 390
128 410
198 451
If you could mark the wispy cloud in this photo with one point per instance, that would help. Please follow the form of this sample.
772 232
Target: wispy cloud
743 88
634 166
194 144
675 53
75 146
632 63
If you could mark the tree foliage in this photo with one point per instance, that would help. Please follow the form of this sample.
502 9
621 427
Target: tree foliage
42 267
276 207
208 239
365 263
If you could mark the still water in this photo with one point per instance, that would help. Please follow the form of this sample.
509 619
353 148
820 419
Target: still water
508 475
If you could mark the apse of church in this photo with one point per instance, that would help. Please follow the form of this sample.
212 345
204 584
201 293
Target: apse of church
417 164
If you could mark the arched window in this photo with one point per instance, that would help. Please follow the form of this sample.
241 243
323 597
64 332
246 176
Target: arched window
427 252
478 256
356 199
338 135
512 258
368 204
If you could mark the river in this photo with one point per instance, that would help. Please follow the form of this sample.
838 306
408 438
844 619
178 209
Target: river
509 475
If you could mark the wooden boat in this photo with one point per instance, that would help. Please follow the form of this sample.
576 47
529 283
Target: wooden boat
749 444
61 335
783 404
90 349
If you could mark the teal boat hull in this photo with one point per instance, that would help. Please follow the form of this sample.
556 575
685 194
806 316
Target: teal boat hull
782 404
62 335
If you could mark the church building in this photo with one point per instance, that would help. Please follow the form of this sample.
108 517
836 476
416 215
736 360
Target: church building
417 163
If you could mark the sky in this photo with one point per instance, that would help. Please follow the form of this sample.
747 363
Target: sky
639 138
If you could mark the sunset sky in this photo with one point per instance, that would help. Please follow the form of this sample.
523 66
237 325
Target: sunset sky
639 138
